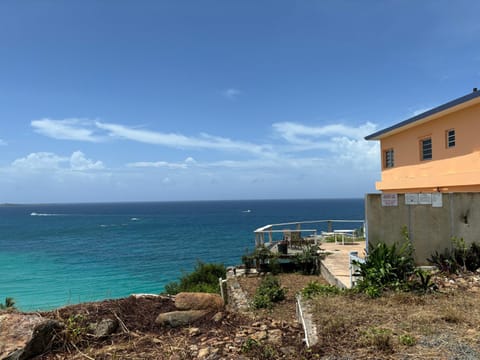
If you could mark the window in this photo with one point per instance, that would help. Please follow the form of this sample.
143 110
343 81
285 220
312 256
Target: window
450 138
389 158
426 149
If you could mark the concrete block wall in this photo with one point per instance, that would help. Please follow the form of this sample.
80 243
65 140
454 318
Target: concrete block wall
430 228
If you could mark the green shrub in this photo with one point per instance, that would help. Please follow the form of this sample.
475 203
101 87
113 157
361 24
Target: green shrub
268 293
257 350
308 260
407 340
461 257
386 267
204 278
9 304
314 288
445 262
381 339
425 283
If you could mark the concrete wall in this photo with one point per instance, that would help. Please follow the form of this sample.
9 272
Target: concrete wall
430 228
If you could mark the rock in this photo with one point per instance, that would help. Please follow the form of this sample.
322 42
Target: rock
275 336
40 342
259 335
198 301
218 317
179 318
193 331
203 353
105 328
15 331
289 351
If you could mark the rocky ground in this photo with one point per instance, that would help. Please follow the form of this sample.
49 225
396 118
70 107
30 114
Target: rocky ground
439 325
137 334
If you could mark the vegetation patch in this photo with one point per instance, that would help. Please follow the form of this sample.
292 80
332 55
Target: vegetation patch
8 304
460 258
268 293
204 278
314 288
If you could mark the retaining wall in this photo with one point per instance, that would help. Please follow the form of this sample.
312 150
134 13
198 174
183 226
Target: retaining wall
430 227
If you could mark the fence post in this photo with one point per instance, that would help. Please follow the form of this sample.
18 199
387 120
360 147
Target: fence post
220 282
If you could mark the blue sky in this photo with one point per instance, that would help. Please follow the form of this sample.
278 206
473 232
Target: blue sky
199 100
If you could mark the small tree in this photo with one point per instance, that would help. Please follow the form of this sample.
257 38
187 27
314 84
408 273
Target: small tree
9 304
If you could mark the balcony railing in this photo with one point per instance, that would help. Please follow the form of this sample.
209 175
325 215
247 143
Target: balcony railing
313 231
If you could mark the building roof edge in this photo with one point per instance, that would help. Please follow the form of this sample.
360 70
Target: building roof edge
461 100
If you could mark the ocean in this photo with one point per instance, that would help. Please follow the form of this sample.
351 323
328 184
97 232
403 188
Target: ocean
59 254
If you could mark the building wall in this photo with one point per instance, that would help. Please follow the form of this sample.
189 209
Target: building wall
430 228
455 169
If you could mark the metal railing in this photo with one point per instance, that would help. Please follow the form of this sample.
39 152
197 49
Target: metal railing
271 233
354 261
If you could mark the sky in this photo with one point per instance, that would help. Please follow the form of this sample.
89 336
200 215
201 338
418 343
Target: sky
114 100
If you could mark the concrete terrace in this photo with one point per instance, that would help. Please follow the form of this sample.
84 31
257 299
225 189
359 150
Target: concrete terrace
336 265
337 238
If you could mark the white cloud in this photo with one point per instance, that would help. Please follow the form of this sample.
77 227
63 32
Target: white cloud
343 143
231 93
336 149
157 164
420 111
3 142
296 133
67 129
205 141
79 162
40 161
96 131
189 161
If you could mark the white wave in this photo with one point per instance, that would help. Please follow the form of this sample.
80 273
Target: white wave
134 219
247 211
43 214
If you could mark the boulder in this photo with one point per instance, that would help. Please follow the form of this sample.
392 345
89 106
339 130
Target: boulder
105 328
198 301
16 330
179 318
218 316
40 342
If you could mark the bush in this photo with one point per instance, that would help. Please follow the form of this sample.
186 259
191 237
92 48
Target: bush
308 260
445 262
9 304
204 278
268 293
461 257
314 288
386 267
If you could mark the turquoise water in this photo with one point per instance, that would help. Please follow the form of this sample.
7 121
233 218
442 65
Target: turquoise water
54 255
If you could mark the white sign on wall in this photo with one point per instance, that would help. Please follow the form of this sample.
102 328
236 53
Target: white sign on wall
425 199
389 199
411 199
437 200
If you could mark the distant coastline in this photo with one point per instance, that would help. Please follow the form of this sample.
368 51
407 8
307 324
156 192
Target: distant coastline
171 201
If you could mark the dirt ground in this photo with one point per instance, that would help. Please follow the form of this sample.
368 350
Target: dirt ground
285 310
138 337
440 325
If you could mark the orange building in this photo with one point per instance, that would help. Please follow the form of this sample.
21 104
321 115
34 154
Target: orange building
438 150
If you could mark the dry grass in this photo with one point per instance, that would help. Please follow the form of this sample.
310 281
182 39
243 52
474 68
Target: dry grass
285 310
399 326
